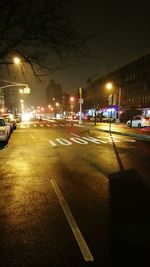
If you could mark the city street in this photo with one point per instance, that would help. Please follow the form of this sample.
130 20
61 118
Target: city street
74 196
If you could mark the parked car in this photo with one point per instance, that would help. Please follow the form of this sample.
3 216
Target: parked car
138 121
107 119
4 130
18 118
11 120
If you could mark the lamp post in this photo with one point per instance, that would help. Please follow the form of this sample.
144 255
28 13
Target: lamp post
71 106
81 101
119 103
22 105
57 107
109 86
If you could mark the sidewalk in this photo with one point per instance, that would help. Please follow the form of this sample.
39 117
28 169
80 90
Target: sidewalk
121 129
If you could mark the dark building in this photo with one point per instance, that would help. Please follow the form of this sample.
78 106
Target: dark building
131 87
53 93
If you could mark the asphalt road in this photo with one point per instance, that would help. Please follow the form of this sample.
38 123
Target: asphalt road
73 197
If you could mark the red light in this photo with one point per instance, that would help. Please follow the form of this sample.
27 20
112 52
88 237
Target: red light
71 98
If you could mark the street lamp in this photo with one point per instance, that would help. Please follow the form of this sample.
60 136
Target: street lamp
112 97
57 109
21 91
71 104
22 105
109 85
119 103
81 101
17 60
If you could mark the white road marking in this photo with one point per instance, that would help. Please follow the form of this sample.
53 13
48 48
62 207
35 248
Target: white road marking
117 140
94 140
79 140
74 227
32 136
63 141
52 143
85 140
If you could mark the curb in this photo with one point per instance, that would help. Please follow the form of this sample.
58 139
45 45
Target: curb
135 135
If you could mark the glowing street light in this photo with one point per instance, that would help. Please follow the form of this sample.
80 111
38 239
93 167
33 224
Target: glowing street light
71 99
109 86
17 60
21 91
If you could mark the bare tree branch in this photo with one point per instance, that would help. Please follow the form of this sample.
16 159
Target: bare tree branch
41 33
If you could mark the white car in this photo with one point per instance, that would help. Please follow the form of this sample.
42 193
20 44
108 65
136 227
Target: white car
138 121
10 119
4 130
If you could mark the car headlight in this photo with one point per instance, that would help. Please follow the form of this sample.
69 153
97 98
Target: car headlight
2 132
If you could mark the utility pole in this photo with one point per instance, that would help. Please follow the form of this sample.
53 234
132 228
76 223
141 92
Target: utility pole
80 101
119 103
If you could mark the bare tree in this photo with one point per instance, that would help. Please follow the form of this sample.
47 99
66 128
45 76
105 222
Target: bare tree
40 32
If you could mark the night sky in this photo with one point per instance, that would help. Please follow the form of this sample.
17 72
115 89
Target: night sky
127 37
123 35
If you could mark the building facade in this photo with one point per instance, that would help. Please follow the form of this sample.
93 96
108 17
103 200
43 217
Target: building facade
131 88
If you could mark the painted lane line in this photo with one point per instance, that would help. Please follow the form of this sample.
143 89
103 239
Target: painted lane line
74 227
94 140
75 134
79 141
52 143
119 140
63 141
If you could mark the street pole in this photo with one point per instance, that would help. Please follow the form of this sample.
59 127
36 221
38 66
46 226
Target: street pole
119 103
80 100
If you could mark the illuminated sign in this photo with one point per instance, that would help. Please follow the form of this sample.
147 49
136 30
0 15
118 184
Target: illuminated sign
26 90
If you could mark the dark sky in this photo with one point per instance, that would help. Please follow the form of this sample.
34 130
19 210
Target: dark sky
126 38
